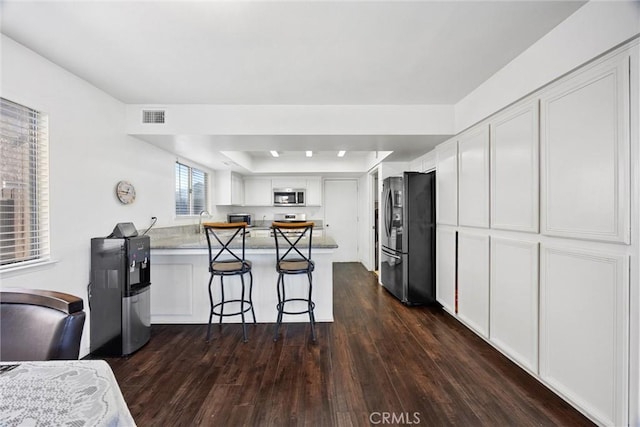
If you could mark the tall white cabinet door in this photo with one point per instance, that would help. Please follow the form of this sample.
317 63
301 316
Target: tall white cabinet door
584 329
446 268
585 155
473 166
513 303
514 169
473 281
447 183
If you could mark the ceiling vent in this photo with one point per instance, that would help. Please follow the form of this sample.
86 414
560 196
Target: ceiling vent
153 116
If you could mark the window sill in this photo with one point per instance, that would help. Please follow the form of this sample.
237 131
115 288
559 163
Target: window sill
24 268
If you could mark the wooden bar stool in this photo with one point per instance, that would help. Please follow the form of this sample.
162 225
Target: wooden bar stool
227 263
293 256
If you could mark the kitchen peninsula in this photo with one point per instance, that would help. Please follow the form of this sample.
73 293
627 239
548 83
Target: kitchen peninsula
180 278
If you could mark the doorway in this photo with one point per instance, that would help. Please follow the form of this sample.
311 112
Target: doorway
375 221
341 217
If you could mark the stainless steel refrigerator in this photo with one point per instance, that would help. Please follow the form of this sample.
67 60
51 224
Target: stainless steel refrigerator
408 237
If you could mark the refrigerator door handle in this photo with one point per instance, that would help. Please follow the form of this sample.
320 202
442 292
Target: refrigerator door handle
387 229
389 211
391 254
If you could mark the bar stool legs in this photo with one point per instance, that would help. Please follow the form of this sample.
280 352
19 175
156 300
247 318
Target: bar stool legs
243 301
282 300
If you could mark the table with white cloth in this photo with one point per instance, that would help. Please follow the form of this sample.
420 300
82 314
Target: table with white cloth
78 393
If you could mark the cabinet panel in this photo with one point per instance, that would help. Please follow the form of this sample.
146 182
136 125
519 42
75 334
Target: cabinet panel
314 191
473 281
514 169
257 192
229 188
447 183
237 190
289 183
585 155
583 329
473 166
514 299
172 290
446 268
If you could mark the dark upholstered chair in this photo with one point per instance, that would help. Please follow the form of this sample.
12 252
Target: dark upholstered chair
39 325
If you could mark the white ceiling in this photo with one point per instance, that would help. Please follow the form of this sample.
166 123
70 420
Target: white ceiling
290 52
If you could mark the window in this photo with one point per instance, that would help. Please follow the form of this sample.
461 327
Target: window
24 180
191 190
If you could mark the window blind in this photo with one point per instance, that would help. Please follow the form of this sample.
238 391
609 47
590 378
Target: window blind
191 190
24 181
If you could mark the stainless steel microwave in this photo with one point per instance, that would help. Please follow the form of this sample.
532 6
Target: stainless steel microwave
289 197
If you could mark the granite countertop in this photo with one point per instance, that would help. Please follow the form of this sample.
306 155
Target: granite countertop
318 224
187 237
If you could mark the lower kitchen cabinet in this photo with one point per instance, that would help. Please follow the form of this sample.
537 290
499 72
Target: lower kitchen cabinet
584 330
446 268
513 303
473 281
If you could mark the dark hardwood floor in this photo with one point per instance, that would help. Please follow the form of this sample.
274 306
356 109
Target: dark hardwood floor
378 361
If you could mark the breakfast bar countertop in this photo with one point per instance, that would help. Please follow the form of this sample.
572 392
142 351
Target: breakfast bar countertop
187 237
180 275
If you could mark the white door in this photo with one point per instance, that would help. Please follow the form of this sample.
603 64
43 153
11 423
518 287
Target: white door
341 217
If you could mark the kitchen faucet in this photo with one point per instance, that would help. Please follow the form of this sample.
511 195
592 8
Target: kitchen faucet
200 228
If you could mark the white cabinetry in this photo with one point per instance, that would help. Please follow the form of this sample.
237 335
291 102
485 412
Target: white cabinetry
473 281
583 329
295 183
260 233
447 183
514 169
229 188
258 192
314 191
446 268
473 191
543 269
585 155
514 300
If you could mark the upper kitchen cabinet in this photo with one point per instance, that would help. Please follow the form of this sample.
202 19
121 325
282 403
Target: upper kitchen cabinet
585 154
294 182
447 183
258 192
514 169
314 191
473 168
229 188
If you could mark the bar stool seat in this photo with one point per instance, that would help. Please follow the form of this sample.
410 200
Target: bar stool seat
293 256
227 263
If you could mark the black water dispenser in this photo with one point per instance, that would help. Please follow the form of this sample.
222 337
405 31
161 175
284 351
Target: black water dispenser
119 292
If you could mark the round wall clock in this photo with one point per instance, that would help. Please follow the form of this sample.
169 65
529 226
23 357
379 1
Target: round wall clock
126 192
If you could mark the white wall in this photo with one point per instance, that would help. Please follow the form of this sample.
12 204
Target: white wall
589 32
295 120
89 154
365 207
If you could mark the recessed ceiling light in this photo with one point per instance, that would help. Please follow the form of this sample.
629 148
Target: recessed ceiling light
274 153
341 153
309 153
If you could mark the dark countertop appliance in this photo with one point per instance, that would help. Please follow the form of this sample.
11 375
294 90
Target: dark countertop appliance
119 292
239 217
408 237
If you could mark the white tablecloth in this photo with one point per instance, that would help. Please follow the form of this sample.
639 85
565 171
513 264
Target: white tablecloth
76 393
